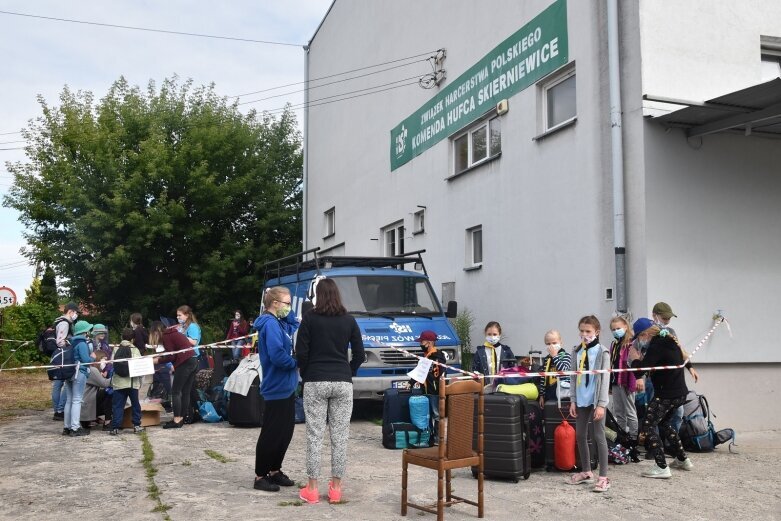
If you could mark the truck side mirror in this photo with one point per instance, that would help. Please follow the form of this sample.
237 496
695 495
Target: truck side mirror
452 309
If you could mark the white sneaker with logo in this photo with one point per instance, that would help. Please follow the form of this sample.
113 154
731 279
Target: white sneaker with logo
657 472
682 465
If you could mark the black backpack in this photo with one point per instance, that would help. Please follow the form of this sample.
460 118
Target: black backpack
47 339
63 356
122 368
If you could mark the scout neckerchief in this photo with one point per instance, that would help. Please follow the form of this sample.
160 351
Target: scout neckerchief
551 379
491 357
583 362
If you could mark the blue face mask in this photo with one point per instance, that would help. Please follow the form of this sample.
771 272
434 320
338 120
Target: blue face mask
180 320
619 333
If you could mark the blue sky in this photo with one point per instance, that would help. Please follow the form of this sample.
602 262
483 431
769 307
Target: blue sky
41 56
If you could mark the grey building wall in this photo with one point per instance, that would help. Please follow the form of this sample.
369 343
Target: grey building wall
701 223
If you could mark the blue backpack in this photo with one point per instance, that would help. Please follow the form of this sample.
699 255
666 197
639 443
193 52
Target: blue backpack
64 357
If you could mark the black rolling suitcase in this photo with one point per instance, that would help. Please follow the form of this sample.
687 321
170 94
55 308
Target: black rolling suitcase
247 411
552 418
505 437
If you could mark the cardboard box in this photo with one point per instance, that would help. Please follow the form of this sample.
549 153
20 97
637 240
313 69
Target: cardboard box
150 415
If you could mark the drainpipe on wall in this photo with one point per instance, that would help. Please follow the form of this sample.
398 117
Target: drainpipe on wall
617 155
304 238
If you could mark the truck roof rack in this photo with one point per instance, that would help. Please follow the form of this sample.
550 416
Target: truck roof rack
281 268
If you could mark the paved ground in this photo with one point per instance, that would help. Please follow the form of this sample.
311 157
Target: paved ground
44 475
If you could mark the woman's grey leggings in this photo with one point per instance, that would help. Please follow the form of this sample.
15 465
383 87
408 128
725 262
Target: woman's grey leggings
581 429
331 401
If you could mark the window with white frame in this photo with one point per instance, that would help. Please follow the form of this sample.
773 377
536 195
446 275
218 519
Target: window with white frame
771 64
479 143
474 247
393 239
419 221
559 100
329 224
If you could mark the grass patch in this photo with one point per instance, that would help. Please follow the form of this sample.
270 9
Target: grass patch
376 421
213 454
296 503
22 391
186 463
153 492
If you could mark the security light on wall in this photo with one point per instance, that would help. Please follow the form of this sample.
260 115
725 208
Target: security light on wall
502 107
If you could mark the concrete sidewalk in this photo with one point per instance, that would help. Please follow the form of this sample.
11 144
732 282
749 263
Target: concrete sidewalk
45 475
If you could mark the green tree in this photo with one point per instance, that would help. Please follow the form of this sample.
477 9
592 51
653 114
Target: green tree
44 290
146 200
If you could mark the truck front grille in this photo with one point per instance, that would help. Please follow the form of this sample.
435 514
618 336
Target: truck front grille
393 357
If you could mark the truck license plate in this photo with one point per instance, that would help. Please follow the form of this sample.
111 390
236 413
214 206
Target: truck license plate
400 384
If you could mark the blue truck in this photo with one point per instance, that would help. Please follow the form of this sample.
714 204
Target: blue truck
391 303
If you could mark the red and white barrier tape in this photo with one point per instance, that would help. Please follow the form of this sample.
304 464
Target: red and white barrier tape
218 345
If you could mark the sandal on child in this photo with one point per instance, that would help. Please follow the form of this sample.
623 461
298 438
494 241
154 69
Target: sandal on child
579 478
603 483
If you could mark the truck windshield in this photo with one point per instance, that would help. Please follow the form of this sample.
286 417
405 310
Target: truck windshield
387 295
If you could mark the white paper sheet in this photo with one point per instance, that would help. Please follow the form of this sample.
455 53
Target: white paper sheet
421 370
140 366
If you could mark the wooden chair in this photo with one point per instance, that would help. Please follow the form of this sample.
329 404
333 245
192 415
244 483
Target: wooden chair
455 450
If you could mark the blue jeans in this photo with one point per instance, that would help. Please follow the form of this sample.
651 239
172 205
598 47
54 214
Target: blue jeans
118 401
677 419
58 396
237 346
74 392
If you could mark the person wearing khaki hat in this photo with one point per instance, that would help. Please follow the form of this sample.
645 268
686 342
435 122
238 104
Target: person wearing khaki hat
662 313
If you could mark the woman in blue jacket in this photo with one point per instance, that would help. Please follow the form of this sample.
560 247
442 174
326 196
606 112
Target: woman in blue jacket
275 328
74 389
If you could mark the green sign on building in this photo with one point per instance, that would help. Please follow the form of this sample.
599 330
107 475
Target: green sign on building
534 51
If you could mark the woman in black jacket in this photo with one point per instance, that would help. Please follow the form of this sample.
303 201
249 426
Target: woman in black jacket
325 335
661 349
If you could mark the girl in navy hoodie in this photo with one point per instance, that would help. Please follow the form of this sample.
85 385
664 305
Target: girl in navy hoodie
275 329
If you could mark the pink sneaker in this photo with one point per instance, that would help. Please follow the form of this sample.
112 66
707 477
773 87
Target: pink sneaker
309 495
334 496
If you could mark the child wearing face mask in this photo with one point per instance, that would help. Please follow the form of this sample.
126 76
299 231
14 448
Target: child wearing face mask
623 385
238 328
492 356
558 359
589 398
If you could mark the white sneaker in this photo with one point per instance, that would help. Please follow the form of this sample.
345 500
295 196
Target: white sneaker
657 472
682 465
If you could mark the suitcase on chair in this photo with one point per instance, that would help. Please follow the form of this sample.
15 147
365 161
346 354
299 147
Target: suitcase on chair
552 418
505 437
247 411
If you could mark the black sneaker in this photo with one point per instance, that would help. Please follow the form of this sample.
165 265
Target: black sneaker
173 425
58 416
66 432
114 432
137 429
266 485
281 479
80 432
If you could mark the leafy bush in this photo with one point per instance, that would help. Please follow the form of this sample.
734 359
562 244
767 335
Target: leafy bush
24 322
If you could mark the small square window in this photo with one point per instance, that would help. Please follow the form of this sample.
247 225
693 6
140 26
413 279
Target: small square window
329 223
419 224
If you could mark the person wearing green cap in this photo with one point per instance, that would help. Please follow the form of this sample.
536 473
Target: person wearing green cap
74 389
